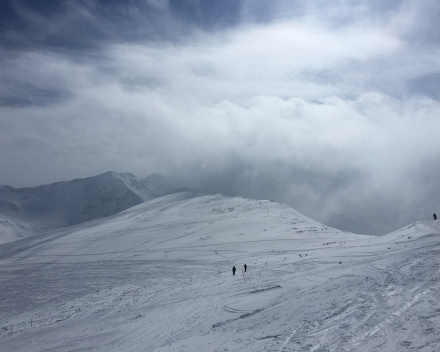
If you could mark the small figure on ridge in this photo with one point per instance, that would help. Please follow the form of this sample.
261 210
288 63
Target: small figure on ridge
435 216
245 267
233 270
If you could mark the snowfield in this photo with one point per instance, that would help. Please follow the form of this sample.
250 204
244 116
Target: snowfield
158 277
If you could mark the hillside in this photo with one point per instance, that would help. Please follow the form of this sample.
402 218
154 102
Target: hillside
26 211
157 277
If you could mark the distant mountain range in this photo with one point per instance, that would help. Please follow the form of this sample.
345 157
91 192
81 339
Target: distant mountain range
26 211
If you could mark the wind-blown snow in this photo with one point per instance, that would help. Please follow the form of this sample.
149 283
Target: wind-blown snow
157 277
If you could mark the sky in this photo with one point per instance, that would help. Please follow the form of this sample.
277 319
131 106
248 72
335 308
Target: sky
330 107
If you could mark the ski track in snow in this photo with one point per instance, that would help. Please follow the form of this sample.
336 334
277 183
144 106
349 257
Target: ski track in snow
157 277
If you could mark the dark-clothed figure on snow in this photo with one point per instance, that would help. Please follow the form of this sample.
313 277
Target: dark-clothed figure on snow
233 270
435 216
245 267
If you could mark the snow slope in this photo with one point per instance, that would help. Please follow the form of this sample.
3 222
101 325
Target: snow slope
27 211
157 277
12 229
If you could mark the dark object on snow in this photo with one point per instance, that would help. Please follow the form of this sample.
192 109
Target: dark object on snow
233 270
435 216
245 267
340 262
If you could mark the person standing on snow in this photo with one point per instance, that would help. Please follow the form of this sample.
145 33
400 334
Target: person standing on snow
435 216
233 270
245 267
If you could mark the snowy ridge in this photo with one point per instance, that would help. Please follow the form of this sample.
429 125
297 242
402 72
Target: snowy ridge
12 229
157 277
153 186
67 203
187 226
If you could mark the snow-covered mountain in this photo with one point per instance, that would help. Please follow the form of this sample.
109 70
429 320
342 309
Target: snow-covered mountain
157 277
27 211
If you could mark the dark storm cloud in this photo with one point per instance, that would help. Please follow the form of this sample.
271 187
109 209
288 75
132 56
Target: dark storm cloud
30 95
64 24
331 107
81 25
86 24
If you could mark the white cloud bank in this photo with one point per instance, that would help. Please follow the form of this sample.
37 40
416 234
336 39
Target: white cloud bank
314 115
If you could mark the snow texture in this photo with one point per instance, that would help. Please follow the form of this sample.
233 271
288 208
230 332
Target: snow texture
157 277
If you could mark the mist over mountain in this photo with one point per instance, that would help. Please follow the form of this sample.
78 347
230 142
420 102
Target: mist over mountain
347 223
308 131
26 211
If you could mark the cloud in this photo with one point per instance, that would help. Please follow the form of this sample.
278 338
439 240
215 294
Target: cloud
329 111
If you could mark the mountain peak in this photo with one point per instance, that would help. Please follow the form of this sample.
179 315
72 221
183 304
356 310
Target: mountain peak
68 203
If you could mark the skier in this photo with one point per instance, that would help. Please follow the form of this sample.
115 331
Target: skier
435 216
245 267
233 270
